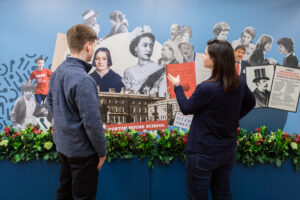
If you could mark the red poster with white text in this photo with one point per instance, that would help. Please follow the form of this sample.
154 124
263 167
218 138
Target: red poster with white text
187 74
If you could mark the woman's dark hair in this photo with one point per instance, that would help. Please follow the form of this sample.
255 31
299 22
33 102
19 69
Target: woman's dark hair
288 43
103 49
222 55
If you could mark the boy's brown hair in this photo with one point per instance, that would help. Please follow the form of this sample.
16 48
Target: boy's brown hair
37 60
78 35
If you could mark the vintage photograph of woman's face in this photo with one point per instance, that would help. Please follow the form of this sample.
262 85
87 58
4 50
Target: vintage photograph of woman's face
144 48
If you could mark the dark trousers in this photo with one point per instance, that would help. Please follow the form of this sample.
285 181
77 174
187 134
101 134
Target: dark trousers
204 172
78 178
40 98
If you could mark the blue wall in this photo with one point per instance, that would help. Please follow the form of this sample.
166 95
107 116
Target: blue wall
29 29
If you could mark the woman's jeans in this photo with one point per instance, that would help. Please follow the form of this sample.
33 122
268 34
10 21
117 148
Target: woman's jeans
204 172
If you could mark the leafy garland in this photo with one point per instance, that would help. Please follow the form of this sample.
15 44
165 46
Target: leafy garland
258 146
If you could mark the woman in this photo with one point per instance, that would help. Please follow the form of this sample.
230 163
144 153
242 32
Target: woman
118 22
146 76
264 44
217 104
103 75
246 39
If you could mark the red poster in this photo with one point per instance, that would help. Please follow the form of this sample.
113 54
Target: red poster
139 126
186 71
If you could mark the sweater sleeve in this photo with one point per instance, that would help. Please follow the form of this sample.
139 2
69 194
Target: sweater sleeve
88 105
248 102
192 105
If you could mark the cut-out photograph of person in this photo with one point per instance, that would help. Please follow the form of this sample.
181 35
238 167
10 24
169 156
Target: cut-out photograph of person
175 31
246 40
146 76
90 19
221 31
42 77
119 23
240 64
105 77
263 45
286 47
187 51
167 55
26 108
259 80
185 34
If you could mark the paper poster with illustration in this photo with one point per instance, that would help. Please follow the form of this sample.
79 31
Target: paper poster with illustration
259 80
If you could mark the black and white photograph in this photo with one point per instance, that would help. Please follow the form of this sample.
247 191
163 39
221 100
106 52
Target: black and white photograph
285 89
259 80
119 23
180 42
263 45
221 30
246 40
286 47
90 19
27 111
167 55
145 76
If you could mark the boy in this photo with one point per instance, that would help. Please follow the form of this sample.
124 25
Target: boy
26 108
286 47
42 77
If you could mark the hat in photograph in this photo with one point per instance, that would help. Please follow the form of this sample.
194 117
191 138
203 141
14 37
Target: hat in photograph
89 14
138 33
260 74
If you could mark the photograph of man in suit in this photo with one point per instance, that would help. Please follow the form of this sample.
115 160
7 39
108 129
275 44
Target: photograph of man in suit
167 55
261 92
286 47
240 64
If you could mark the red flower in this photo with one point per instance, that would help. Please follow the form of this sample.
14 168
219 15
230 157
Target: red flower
297 139
285 136
257 130
6 131
238 130
237 142
258 143
12 136
184 139
18 134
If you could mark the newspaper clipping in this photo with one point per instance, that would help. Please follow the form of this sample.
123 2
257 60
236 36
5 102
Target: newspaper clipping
285 89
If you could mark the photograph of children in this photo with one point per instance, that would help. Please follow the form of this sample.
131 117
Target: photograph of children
286 47
259 80
145 76
245 40
26 108
105 77
221 30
